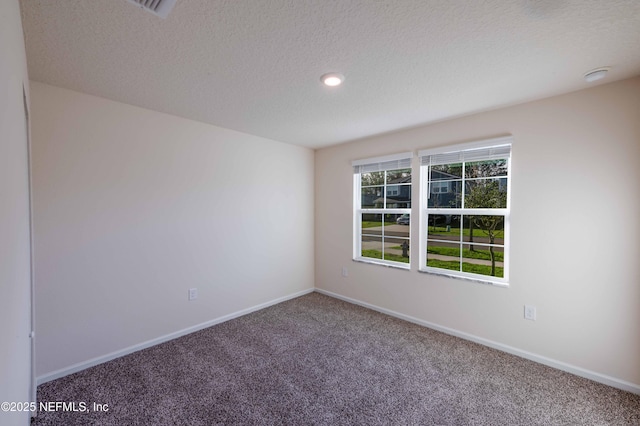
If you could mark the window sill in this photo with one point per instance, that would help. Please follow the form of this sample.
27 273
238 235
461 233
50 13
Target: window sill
395 265
503 284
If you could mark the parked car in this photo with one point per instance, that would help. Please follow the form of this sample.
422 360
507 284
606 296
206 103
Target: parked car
403 220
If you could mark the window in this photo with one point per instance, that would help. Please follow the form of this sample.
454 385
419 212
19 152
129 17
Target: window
464 227
382 209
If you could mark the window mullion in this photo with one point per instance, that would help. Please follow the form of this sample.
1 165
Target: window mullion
384 192
464 185
382 214
461 236
429 181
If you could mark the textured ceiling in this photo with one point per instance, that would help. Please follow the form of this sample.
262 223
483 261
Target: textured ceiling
254 65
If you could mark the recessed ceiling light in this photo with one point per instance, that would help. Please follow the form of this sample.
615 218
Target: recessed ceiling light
332 79
597 74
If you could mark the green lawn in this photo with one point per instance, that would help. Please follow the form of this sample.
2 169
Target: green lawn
442 230
466 267
444 264
374 254
377 254
466 253
369 224
366 224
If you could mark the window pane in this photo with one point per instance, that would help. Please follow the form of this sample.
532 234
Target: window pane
443 255
371 238
372 197
398 176
443 227
396 249
483 260
372 224
396 227
479 169
371 247
483 229
403 219
395 239
373 178
486 194
446 172
445 194
398 196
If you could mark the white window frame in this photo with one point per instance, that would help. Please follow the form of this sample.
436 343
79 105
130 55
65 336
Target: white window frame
467 152
378 164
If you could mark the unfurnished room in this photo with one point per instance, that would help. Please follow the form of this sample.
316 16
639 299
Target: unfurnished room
356 212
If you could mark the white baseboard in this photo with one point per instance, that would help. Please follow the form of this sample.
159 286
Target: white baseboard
578 371
108 357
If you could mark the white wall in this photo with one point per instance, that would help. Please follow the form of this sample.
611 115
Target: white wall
134 207
15 246
575 232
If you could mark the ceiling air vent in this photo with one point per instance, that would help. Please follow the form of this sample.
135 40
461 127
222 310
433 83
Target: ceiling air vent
159 8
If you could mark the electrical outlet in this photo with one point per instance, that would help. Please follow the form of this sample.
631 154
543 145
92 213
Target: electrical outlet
193 293
345 272
530 312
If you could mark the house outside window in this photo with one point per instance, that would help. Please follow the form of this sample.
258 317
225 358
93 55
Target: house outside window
464 209
382 208
439 187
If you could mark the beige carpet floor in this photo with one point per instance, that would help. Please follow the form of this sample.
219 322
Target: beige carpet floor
316 360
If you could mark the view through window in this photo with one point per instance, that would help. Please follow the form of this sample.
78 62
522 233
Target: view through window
382 210
465 203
